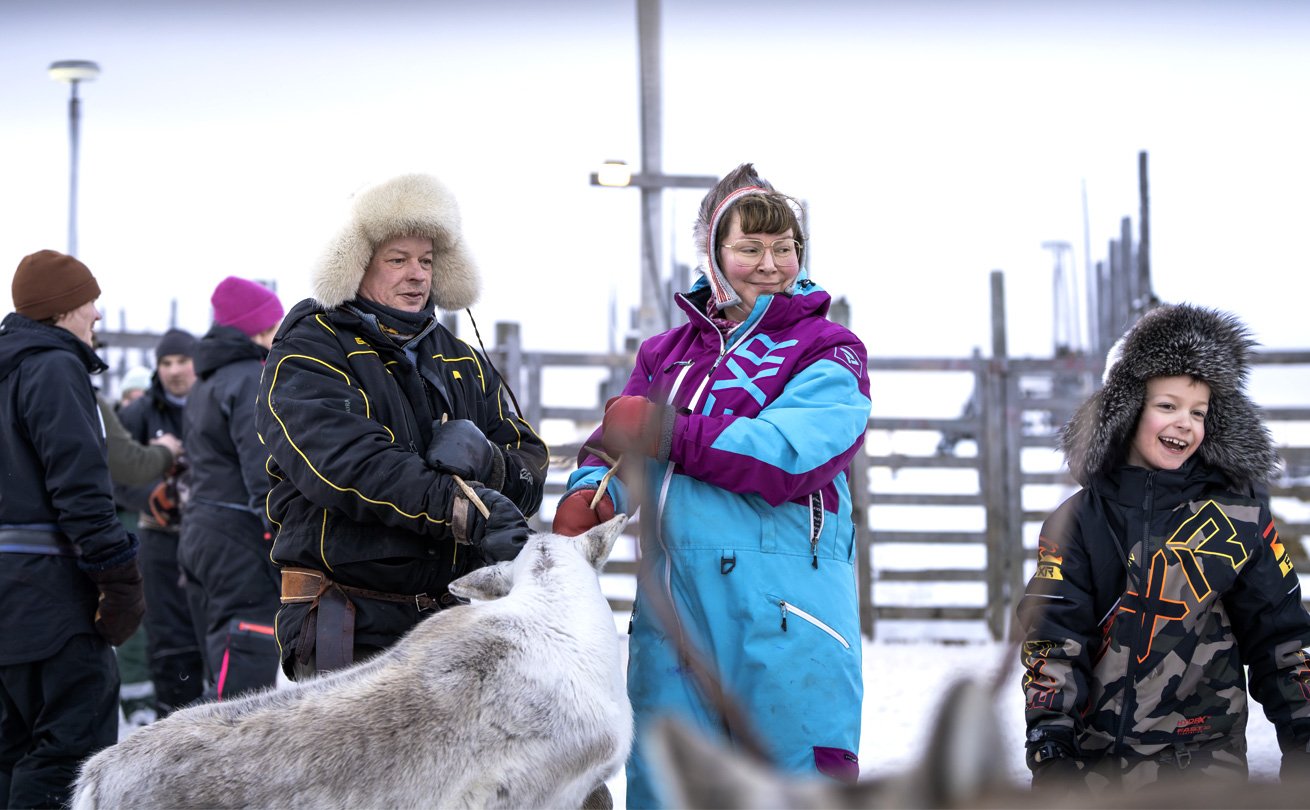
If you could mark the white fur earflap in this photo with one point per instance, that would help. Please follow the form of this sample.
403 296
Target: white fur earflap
408 205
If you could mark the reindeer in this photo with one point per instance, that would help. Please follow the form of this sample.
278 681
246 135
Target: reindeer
515 700
960 767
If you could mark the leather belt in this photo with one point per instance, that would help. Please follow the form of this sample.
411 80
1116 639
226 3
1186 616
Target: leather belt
328 632
306 585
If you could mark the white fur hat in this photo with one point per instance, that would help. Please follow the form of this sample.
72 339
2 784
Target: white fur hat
408 205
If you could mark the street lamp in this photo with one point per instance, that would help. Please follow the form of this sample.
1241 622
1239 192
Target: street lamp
654 313
73 71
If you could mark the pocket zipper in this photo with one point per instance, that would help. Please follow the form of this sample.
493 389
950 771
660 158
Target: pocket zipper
787 607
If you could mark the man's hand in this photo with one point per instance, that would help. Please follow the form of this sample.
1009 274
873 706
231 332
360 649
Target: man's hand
122 602
459 447
171 442
498 537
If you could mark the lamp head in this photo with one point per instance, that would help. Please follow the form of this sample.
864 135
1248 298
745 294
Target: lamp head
74 70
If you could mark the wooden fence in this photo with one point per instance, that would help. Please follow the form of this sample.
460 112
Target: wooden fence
1010 421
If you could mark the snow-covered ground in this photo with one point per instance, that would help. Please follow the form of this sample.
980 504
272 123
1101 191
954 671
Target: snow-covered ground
904 682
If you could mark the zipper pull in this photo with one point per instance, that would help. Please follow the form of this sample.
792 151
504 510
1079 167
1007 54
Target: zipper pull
814 552
783 605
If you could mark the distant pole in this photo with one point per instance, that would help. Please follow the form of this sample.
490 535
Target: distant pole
653 311
73 71
1144 241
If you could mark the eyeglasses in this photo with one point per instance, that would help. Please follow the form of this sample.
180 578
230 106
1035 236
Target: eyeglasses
750 252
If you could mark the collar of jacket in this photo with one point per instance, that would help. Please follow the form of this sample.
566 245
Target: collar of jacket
807 300
1129 486
368 323
222 346
23 336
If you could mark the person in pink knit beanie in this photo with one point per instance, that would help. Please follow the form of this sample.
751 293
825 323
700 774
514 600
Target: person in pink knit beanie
232 587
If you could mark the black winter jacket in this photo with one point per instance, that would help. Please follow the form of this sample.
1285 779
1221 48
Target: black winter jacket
147 418
224 452
54 481
346 416
1153 590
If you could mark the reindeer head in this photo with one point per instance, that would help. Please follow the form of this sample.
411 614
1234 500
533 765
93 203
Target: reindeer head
539 558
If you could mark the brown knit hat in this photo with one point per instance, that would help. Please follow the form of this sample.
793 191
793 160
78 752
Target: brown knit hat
49 283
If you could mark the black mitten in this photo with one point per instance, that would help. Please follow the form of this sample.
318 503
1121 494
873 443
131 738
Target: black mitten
459 447
499 536
1050 756
122 601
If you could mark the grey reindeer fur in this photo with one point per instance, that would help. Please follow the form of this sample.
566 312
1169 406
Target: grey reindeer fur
514 702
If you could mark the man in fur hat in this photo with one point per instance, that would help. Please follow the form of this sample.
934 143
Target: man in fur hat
370 410
1164 577
69 584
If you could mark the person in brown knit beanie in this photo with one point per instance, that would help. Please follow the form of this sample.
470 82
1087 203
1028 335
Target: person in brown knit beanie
69 583
48 284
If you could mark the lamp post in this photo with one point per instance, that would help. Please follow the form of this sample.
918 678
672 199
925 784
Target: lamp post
73 71
654 312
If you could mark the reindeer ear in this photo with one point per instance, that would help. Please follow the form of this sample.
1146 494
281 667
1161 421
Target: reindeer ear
598 542
491 582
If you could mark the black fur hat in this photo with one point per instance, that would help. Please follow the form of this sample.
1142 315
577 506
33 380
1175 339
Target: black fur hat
1171 341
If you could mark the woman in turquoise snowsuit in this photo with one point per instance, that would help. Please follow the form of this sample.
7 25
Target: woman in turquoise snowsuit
748 416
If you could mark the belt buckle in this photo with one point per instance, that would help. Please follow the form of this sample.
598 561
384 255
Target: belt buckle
418 602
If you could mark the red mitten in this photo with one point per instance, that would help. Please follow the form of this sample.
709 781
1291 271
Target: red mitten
631 424
574 514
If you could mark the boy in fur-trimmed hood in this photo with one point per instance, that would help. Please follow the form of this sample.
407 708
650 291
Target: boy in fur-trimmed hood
1164 577
370 409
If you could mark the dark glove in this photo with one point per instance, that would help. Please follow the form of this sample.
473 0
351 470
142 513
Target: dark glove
163 503
1296 764
634 424
574 514
122 601
1050 756
459 447
499 536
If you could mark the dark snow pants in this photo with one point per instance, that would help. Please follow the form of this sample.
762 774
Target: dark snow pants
55 713
234 592
177 669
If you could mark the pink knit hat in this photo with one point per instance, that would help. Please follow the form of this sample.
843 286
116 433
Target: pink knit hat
246 305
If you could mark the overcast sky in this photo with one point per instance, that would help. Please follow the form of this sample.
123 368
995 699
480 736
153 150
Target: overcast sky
933 142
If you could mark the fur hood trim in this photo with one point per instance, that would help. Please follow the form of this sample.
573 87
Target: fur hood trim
409 205
717 203
1170 341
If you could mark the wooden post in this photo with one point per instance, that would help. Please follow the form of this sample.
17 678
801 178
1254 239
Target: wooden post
1144 240
510 347
1128 277
995 467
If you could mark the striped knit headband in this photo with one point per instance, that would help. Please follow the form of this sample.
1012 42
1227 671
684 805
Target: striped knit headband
724 295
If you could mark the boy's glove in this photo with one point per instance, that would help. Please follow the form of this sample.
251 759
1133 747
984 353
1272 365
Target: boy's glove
459 447
1295 765
635 424
1050 756
498 537
574 514
122 601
